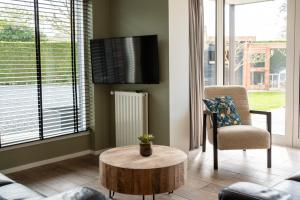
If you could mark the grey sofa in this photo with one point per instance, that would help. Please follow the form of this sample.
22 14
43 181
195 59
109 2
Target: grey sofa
11 190
288 189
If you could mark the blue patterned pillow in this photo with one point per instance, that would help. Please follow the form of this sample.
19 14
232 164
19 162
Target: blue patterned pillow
225 108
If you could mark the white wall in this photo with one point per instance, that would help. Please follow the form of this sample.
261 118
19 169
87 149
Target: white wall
179 74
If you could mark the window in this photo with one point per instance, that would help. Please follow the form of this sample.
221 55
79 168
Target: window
256 55
257 78
210 68
260 44
44 69
258 60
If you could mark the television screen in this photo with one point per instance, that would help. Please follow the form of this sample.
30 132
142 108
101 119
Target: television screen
125 60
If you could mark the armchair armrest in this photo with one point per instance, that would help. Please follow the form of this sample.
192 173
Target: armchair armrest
215 133
81 193
213 116
207 112
269 118
260 112
215 128
251 191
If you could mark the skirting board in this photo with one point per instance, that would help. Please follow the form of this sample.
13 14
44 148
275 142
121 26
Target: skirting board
51 160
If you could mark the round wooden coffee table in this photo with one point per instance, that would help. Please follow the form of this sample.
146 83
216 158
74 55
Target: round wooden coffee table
124 170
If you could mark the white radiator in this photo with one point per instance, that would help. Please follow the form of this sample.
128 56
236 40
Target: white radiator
131 117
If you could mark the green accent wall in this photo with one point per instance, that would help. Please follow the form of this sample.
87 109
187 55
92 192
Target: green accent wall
101 136
117 18
113 18
46 150
144 17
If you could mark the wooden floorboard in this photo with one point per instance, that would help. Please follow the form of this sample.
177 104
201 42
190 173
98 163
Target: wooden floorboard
202 183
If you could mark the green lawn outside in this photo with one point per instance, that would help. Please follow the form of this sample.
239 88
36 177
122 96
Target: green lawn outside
19 59
266 100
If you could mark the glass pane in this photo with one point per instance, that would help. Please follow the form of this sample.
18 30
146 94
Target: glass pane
255 55
56 59
82 38
210 70
19 120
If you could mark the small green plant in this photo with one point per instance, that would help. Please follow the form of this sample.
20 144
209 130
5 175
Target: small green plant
146 139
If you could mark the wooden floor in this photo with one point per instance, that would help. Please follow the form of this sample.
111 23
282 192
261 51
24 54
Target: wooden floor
203 182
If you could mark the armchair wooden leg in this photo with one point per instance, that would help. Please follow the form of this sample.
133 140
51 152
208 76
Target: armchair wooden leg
269 152
215 140
204 133
216 158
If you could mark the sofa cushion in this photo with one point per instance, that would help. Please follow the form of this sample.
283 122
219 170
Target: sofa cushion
289 186
18 191
82 193
4 180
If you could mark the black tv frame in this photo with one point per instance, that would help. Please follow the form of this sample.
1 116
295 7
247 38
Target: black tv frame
157 81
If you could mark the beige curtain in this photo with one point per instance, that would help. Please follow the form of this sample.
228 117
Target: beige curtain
196 70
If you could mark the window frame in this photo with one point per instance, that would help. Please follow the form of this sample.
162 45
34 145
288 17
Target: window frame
292 137
76 85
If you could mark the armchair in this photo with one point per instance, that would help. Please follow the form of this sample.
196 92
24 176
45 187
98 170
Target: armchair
243 136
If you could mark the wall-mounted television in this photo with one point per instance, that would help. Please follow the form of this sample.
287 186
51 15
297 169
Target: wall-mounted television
125 60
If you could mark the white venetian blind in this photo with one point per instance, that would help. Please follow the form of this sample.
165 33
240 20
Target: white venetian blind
44 69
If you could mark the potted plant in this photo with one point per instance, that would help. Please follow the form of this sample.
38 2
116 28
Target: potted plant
145 144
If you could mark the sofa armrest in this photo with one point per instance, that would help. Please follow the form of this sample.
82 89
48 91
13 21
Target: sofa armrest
295 177
4 180
251 191
82 193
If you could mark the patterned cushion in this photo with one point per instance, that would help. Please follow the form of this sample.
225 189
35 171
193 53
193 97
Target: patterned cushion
225 108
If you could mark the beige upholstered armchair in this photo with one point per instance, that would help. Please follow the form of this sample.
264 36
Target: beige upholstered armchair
242 136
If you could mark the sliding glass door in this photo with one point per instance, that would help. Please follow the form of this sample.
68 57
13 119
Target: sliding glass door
256 57
258 42
210 68
296 72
